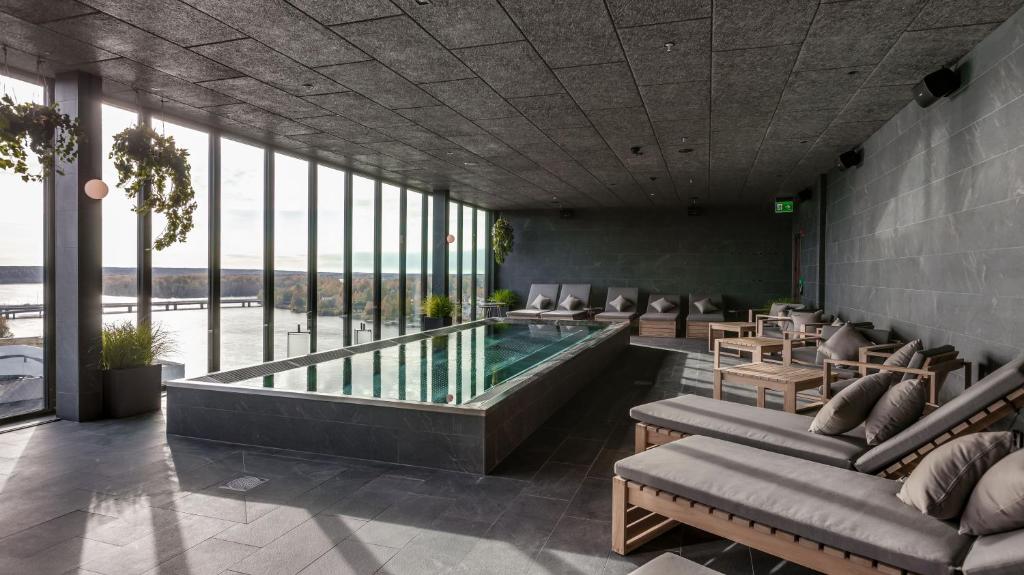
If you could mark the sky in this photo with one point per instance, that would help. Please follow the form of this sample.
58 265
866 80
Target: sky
21 208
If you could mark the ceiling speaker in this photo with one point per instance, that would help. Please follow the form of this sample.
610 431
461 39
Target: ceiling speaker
566 214
938 84
851 158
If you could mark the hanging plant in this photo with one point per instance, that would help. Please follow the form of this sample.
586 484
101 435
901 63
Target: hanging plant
141 156
501 239
42 129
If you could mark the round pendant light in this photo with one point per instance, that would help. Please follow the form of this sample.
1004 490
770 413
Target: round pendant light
96 189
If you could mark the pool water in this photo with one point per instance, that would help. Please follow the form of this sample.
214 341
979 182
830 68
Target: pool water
451 369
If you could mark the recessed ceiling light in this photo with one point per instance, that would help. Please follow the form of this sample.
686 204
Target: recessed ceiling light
307 84
468 163
803 141
669 45
852 72
450 153
423 2
685 150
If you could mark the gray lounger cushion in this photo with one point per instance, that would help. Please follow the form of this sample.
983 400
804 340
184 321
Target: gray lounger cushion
1001 554
959 409
527 313
840 508
716 316
615 316
903 356
655 316
564 314
768 429
844 343
917 361
783 309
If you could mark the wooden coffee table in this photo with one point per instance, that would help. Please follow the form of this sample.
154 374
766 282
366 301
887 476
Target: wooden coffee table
787 379
740 328
755 346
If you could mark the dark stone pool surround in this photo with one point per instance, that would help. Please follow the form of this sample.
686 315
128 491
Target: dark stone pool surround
474 437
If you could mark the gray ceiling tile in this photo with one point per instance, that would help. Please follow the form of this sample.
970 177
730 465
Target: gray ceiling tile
686 133
36 12
653 63
330 12
270 66
461 23
399 150
333 144
751 24
260 118
170 19
39 41
639 12
864 18
751 79
514 69
345 128
135 75
284 28
419 137
583 138
599 86
483 145
567 33
916 54
359 108
551 112
676 101
820 89
441 120
876 103
800 124
378 83
943 13
514 131
472 98
629 123
848 134
267 97
843 51
404 47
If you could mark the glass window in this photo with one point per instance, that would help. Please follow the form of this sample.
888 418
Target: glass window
120 227
330 256
413 261
453 252
390 235
363 229
241 287
481 257
22 257
291 256
466 271
180 270
430 246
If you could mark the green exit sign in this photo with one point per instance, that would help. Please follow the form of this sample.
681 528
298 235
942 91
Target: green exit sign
783 206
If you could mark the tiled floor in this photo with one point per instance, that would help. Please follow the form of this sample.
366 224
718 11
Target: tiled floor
122 498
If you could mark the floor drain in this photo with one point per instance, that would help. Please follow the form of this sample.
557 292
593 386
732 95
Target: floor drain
245 483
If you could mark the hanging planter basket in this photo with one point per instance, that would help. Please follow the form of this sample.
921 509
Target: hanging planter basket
141 156
38 128
501 239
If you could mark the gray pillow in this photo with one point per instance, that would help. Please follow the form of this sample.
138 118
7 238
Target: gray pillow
662 305
570 302
620 304
781 309
838 322
851 406
705 306
997 502
845 343
540 302
896 410
902 356
942 482
802 318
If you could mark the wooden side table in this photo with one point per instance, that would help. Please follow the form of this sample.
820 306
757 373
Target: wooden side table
787 379
740 328
755 346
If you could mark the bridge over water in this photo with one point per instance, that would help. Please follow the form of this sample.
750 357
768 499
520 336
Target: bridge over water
13 311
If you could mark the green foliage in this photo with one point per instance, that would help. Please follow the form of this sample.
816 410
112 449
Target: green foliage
501 239
141 156
438 306
5 330
126 346
505 296
42 129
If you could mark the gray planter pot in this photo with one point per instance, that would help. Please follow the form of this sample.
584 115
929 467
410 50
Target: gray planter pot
128 392
436 322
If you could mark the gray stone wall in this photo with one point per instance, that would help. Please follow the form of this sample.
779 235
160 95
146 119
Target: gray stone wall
744 254
927 236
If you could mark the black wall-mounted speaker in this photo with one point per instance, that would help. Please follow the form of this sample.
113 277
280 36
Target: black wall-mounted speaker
939 83
851 158
566 214
805 195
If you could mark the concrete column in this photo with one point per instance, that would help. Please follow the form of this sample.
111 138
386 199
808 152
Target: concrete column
78 256
439 242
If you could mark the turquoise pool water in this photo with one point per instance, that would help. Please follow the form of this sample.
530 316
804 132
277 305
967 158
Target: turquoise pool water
451 369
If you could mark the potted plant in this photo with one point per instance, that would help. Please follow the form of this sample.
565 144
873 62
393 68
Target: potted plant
37 127
501 239
437 312
131 378
506 297
142 156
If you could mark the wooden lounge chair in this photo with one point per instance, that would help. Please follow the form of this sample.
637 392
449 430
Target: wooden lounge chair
661 324
578 291
836 521
630 313
989 400
934 364
549 291
697 321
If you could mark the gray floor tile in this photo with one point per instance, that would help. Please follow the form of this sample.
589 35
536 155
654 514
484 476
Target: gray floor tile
210 557
351 558
39 537
557 480
593 500
296 549
147 552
